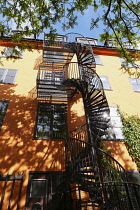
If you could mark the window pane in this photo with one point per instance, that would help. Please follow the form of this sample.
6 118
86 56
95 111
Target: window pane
8 51
129 65
105 82
38 188
3 107
114 130
136 88
1 74
106 86
135 84
10 76
58 121
43 122
51 121
97 59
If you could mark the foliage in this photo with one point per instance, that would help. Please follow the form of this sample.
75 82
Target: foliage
109 167
131 131
120 18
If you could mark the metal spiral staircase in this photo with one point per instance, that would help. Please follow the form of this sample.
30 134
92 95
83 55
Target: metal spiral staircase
94 179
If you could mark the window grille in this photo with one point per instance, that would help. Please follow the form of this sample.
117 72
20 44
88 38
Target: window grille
51 121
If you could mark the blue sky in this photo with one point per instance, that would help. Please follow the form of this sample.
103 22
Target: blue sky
83 26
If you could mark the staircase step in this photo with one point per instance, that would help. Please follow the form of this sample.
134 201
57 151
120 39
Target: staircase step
87 170
54 87
87 164
92 190
83 176
53 93
78 165
88 158
54 97
86 204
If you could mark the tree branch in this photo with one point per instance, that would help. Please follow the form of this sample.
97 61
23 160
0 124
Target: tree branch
120 13
131 9
109 23
109 6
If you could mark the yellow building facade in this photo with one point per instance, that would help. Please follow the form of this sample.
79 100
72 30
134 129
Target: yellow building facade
29 158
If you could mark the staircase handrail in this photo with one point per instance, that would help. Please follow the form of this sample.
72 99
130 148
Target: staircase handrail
76 129
93 74
90 144
111 174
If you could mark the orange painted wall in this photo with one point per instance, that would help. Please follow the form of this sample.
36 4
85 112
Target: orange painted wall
18 150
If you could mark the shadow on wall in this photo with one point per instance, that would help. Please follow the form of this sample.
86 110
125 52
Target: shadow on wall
18 150
120 153
76 113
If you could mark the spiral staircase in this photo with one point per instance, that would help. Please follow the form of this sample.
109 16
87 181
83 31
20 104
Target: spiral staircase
94 179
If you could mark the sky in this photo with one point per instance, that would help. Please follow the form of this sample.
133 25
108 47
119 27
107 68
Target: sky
83 26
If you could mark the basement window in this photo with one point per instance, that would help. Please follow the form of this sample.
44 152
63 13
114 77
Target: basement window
38 188
51 121
7 75
3 108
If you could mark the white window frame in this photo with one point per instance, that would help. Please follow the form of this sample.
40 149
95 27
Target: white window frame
135 83
129 65
2 80
58 38
87 40
114 131
8 51
104 82
98 60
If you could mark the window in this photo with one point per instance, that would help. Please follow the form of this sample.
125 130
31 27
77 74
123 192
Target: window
53 77
97 59
58 38
97 84
86 40
9 50
3 107
51 121
129 65
53 55
38 188
114 131
135 84
7 75
105 82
